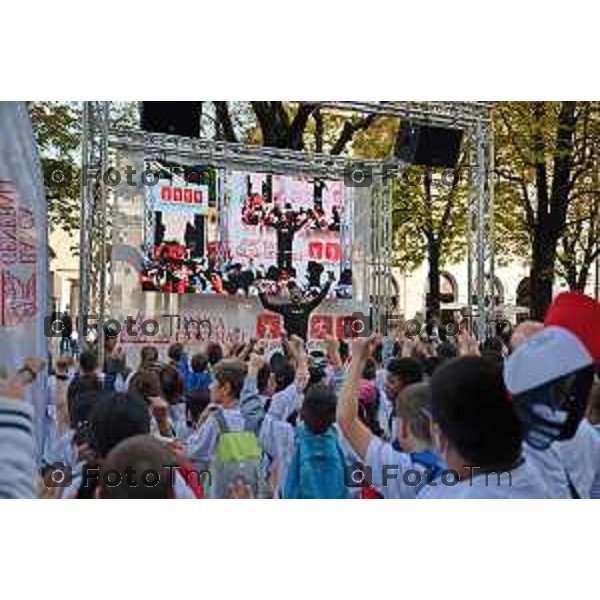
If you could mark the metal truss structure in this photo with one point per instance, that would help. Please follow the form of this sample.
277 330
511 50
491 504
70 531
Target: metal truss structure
93 242
473 117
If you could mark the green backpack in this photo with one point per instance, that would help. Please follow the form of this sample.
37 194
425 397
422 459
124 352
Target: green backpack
237 460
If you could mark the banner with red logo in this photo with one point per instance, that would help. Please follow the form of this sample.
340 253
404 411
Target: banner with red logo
23 248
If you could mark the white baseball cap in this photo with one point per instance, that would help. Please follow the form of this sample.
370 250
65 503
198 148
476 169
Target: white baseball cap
544 357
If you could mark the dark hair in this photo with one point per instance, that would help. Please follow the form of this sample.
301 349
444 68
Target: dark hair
175 351
276 360
143 384
430 364
199 363
82 404
88 361
116 417
232 371
171 384
344 350
409 370
370 370
471 406
493 357
214 353
262 378
378 354
447 350
148 354
493 344
318 408
284 373
196 401
129 462
316 374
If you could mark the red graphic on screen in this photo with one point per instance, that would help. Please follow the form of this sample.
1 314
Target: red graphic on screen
343 327
268 326
332 251
321 326
315 250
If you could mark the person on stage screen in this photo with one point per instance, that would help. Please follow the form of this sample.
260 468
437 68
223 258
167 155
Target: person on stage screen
296 312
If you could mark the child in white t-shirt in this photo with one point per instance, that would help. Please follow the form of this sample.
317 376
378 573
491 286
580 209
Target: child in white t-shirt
477 431
393 473
225 390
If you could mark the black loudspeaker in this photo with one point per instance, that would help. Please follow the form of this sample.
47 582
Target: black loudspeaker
429 146
177 118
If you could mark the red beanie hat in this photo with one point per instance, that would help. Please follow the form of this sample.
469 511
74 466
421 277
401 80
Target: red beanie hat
579 314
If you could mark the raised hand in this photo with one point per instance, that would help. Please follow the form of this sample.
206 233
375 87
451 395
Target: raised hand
409 346
256 363
333 350
361 349
14 386
297 344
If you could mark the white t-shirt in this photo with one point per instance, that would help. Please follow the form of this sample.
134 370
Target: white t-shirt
524 482
581 458
549 465
387 467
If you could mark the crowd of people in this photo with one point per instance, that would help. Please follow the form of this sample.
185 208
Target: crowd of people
204 276
374 419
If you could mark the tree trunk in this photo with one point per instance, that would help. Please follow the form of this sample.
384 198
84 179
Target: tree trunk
433 299
571 275
542 273
582 279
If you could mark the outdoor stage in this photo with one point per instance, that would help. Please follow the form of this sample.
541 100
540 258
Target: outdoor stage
166 244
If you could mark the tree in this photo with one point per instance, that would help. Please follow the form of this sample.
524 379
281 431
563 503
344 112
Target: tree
57 128
544 151
290 125
580 242
429 222
429 208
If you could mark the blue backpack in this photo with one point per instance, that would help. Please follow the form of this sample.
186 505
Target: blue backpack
317 467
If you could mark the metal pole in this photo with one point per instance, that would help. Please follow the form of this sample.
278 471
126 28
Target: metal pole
84 244
489 219
102 233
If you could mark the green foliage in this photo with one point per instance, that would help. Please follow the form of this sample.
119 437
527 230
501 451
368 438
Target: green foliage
57 127
537 143
429 213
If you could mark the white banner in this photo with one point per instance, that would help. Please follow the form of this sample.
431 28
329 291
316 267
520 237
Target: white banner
23 249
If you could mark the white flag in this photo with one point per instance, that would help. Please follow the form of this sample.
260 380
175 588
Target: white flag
23 250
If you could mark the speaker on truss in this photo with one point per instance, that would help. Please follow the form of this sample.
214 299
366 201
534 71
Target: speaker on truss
428 145
177 118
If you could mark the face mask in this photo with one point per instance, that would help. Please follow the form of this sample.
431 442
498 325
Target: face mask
553 412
